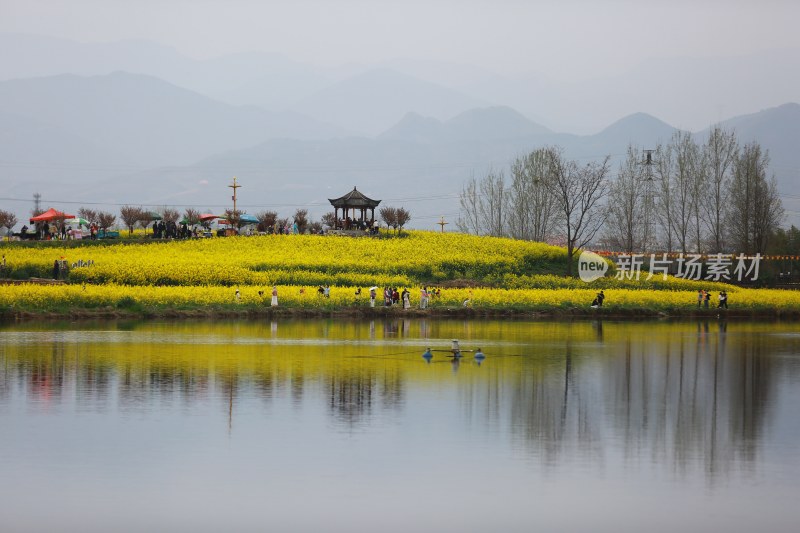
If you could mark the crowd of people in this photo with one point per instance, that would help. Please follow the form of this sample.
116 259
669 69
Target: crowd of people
47 231
391 296
364 225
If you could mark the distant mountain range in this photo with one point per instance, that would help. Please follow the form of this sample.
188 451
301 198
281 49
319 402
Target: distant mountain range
132 138
491 123
687 92
145 119
371 100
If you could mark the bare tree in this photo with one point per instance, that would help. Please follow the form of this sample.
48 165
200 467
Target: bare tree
720 152
492 203
469 220
530 210
234 218
329 219
315 227
301 219
266 220
663 200
169 214
578 192
402 218
105 220
767 213
684 191
130 216
192 216
8 220
755 206
626 228
389 216
395 217
700 199
89 214
145 218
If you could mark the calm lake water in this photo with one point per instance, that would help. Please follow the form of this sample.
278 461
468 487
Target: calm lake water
325 425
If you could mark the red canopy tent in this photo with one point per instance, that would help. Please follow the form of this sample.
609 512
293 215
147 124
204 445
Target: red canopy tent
208 216
51 214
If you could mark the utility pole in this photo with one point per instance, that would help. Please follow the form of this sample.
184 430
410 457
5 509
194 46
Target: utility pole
234 186
442 223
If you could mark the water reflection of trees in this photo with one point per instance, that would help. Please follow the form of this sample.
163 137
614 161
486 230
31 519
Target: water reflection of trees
50 375
554 409
353 392
694 400
690 397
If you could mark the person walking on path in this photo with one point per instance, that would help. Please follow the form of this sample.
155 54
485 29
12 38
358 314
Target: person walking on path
706 299
699 297
406 299
423 298
274 296
372 295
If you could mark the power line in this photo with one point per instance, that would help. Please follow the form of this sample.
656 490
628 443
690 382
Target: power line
327 168
449 196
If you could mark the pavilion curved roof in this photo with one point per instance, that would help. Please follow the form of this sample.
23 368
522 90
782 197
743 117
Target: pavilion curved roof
353 199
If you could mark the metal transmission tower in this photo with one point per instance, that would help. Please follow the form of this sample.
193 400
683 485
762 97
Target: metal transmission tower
37 204
650 239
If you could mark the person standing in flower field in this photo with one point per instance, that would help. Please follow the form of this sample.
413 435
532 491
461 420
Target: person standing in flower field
699 297
274 296
423 298
372 295
406 299
723 300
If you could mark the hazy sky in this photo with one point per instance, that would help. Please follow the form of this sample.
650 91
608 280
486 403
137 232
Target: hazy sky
567 39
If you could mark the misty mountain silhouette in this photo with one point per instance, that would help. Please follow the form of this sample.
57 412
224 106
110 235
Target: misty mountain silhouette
492 123
147 119
367 102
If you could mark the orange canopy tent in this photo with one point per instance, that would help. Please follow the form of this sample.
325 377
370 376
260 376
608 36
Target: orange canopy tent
51 214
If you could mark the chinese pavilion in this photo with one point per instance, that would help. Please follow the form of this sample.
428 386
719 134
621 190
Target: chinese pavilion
354 206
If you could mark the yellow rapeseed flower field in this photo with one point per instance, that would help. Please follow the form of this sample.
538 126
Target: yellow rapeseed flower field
206 273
